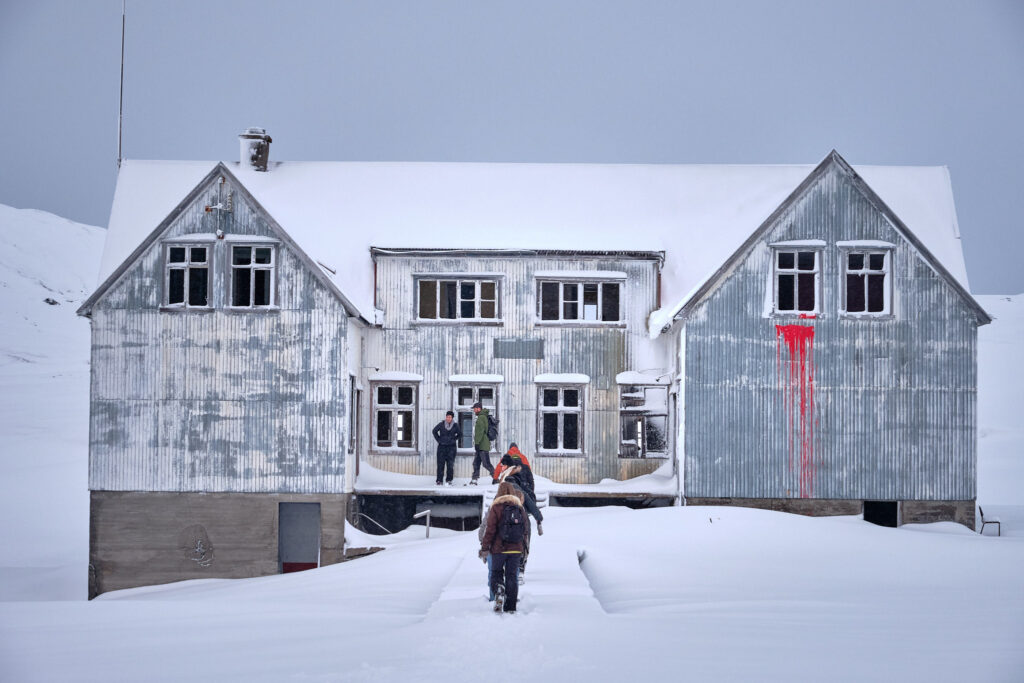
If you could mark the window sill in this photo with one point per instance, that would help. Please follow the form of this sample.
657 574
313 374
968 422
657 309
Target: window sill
796 315
395 451
579 323
186 309
650 456
476 322
260 309
843 315
560 454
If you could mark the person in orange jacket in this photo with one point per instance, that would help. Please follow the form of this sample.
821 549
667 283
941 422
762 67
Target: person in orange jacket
515 468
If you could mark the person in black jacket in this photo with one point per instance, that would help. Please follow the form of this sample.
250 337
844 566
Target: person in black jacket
447 435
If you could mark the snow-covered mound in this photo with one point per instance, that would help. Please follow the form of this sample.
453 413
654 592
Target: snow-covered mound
48 265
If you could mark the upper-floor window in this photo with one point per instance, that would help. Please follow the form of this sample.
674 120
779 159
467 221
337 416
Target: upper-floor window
187 276
252 275
797 280
867 284
457 299
394 416
560 418
643 413
586 301
464 396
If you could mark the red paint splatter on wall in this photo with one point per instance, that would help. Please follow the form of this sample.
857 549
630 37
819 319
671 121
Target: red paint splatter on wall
798 397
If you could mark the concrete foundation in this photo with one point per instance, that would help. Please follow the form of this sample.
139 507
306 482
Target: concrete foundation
141 539
911 511
926 511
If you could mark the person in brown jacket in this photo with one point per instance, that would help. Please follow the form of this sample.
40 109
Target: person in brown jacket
503 541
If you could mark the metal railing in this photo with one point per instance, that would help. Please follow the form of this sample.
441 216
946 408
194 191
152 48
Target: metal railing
425 513
366 516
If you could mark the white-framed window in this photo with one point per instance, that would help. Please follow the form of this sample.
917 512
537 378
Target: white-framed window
187 275
560 419
394 415
797 280
867 287
455 298
252 275
463 398
643 413
592 301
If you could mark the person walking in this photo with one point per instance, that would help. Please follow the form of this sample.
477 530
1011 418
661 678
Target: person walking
481 443
502 542
515 468
447 435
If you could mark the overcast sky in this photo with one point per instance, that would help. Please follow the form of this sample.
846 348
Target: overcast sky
884 82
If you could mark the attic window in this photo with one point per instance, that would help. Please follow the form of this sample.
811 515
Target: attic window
187 276
252 275
797 280
867 284
457 299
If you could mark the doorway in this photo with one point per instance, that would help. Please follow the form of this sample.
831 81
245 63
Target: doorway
298 537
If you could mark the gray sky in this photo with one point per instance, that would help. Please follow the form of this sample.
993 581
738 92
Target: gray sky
884 82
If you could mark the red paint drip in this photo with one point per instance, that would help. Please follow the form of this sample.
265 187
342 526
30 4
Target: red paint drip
799 398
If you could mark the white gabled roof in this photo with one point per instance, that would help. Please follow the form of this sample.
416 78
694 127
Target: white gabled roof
697 214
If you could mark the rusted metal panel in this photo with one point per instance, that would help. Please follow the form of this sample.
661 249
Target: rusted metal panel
831 407
437 351
219 400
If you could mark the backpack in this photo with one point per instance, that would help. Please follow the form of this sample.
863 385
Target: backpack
512 525
492 427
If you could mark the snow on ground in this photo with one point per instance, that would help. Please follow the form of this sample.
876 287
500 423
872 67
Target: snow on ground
673 593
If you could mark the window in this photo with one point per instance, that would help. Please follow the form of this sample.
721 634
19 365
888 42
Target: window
394 416
464 396
867 282
457 299
643 412
797 278
187 276
252 276
560 419
579 301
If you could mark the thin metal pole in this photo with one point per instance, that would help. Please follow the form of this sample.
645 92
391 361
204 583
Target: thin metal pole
120 103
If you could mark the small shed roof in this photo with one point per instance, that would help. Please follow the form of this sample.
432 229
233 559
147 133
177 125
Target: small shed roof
698 214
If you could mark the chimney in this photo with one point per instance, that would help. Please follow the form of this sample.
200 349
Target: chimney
254 149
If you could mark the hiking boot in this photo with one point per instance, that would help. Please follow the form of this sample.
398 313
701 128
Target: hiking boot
472 482
499 598
448 483
540 529
521 579
437 483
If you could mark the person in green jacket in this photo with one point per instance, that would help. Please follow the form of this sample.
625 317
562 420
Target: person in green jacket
481 443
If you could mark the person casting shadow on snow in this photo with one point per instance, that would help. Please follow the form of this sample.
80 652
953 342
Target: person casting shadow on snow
447 435
502 541
515 468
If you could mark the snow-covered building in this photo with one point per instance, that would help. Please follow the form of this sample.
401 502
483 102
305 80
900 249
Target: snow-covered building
273 341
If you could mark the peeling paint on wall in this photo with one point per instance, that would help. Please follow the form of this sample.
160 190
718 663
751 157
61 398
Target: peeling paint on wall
796 373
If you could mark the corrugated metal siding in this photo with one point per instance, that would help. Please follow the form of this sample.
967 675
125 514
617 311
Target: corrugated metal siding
438 351
219 400
894 400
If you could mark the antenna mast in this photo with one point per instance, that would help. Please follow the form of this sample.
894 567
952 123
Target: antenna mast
120 102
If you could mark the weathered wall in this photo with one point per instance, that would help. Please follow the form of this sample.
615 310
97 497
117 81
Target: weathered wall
142 539
880 409
437 351
218 400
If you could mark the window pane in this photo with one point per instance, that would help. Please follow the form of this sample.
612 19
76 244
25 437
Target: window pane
261 288
629 428
786 259
550 431
488 309
240 286
466 427
241 256
571 397
549 301
805 284
570 291
487 291
805 260
876 261
787 300
656 400
551 397
384 396
468 290
656 434
855 293
571 431
590 301
383 427
405 396
261 255
876 293
428 299
198 255
610 301
856 261
465 396
467 309
177 255
487 396
197 281
176 286
403 429
570 304
449 301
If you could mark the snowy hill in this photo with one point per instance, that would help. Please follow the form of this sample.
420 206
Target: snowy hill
666 594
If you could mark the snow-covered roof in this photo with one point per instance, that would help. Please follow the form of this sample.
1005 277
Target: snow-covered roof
697 214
